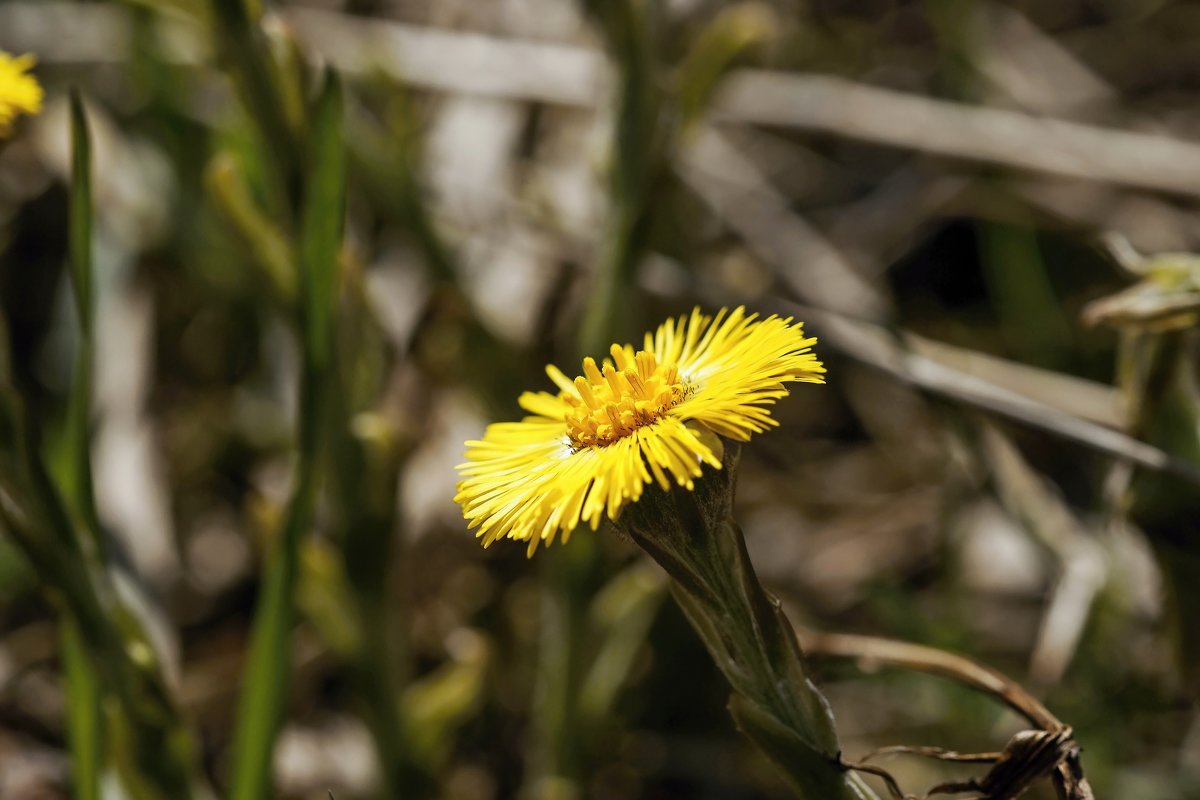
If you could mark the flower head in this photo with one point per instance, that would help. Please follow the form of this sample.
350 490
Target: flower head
19 91
640 416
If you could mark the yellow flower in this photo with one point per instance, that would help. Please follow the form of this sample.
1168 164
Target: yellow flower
19 92
591 449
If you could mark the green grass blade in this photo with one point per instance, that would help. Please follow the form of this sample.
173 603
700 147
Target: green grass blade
52 519
84 728
83 716
365 476
264 686
80 245
77 483
324 209
266 678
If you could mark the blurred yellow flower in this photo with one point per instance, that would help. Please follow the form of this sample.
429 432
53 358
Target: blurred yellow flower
19 91
592 448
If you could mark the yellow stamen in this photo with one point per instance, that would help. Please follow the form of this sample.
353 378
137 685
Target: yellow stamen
619 400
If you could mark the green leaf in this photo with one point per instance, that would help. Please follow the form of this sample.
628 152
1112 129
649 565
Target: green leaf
84 728
811 774
321 226
266 679
77 480
80 245
82 688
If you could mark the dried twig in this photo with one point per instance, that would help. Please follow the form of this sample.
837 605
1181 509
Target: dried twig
1030 67
1083 561
577 76
1030 755
874 345
812 267
910 122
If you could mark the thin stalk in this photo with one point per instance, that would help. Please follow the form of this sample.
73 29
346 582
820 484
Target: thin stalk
367 479
79 473
260 710
84 723
265 682
83 692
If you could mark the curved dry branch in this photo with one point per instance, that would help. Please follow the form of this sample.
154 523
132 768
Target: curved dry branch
1029 755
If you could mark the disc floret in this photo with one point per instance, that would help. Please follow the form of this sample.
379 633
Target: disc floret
631 392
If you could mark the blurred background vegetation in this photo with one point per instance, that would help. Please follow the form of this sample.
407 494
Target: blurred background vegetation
966 201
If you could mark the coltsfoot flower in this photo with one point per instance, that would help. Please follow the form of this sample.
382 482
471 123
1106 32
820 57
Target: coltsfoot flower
20 92
640 416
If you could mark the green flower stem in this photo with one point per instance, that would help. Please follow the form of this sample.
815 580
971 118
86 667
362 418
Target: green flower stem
693 537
